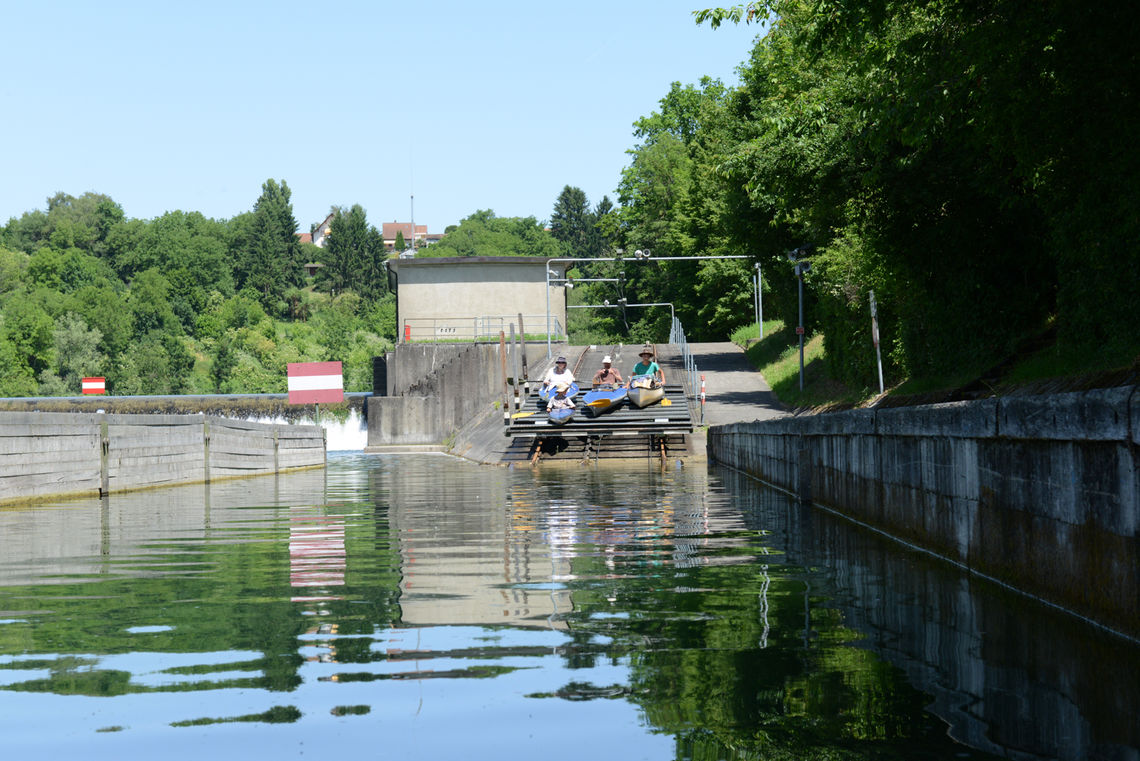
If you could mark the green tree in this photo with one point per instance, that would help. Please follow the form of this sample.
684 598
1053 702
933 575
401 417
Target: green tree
484 234
13 269
603 233
401 244
354 255
177 241
67 270
270 261
103 307
16 378
27 327
572 222
149 305
77 352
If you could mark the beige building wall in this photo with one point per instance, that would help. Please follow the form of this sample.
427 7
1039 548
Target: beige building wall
456 297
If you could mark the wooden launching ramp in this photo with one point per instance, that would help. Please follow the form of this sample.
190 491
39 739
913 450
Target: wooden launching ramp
656 431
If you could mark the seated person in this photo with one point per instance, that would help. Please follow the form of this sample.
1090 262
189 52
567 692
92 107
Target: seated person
607 376
648 367
558 374
559 401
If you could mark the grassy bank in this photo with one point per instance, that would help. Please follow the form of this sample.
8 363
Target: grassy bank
1037 368
777 357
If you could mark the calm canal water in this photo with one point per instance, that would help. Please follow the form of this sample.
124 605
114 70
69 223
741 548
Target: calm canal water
410 607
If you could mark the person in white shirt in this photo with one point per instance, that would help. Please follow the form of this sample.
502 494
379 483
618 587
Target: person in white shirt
558 374
560 401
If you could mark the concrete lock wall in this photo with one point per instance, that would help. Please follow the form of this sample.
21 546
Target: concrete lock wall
46 454
440 389
1041 493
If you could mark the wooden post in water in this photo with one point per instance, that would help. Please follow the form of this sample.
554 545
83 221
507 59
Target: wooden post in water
522 340
503 364
104 456
515 368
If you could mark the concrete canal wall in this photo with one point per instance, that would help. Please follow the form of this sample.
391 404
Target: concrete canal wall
1041 493
434 390
344 424
959 644
49 454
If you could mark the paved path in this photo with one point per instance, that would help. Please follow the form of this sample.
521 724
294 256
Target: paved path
734 391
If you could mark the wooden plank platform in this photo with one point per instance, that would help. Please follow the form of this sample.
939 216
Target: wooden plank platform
626 420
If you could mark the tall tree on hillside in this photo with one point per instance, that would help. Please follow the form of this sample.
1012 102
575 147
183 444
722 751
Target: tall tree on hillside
272 252
354 255
572 221
603 233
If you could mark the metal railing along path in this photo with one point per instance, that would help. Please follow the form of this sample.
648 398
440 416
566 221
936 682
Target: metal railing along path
692 376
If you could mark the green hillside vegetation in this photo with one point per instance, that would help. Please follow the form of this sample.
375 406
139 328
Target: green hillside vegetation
185 304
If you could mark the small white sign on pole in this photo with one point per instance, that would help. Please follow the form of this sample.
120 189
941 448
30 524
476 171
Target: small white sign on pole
875 338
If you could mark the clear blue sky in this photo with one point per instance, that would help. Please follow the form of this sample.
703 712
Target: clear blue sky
474 105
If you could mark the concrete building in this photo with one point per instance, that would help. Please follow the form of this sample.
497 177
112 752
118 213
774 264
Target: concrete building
467 298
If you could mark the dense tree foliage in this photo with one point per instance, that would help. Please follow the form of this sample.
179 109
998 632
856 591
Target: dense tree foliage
354 255
969 161
182 303
271 253
484 234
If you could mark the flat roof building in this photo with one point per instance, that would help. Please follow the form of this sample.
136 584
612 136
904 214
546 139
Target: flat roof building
474 297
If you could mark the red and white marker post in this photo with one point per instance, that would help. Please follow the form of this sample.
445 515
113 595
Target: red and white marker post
702 400
94 385
315 382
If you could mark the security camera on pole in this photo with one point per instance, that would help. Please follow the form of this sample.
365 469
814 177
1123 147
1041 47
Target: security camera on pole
797 257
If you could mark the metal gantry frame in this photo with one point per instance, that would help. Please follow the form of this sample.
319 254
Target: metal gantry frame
639 256
623 303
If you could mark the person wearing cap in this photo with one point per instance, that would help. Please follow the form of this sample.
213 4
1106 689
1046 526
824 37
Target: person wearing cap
607 376
558 374
559 400
647 366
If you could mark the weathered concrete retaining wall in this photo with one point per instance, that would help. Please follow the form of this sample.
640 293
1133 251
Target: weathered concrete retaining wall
1039 492
45 454
436 389
1036 690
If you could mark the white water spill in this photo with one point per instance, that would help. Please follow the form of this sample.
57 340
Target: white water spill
348 435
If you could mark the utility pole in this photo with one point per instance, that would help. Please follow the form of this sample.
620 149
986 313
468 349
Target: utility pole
796 257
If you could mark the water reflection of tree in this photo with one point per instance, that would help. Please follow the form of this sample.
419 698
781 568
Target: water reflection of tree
224 593
732 660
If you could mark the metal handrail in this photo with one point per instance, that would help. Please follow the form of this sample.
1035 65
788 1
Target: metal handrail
677 336
461 328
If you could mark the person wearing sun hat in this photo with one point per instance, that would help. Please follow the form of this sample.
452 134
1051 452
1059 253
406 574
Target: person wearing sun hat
647 366
607 376
559 400
558 374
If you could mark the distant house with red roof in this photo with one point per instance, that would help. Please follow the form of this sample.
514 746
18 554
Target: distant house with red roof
392 229
388 232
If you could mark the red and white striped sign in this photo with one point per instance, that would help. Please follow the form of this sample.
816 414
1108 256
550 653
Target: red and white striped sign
315 382
94 385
